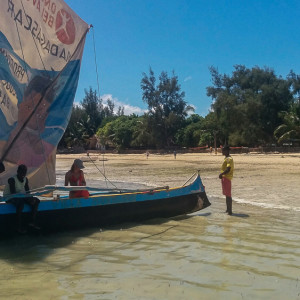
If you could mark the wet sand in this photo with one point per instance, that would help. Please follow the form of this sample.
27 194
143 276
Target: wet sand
265 180
254 254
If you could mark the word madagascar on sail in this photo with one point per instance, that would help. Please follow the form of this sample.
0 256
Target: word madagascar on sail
59 21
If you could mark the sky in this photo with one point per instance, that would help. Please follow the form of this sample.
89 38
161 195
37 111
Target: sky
184 36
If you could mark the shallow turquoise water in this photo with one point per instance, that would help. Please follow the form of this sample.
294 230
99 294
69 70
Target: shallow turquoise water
255 254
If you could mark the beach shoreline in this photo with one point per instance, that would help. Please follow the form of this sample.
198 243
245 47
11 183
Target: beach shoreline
267 180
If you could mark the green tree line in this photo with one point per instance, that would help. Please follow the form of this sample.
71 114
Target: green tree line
250 107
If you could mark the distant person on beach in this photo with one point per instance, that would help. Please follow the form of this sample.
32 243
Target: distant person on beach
175 153
19 185
226 176
75 177
147 154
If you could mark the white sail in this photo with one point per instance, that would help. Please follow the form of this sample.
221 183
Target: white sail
41 46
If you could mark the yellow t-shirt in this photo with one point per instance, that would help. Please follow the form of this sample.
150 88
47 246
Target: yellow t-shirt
228 162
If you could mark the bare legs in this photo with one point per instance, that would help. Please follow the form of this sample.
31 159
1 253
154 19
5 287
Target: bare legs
229 205
19 203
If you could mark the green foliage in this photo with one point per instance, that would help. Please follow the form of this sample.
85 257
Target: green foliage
247 104
290 129
121 132
76 134
92 106
142 135
166 105
190 134
206 138
85 120
250 107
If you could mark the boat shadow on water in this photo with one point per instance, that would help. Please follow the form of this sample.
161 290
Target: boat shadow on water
36 246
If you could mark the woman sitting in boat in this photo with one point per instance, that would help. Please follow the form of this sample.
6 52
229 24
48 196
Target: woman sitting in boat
75 177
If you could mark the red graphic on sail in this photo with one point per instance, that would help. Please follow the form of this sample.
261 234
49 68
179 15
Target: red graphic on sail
64 27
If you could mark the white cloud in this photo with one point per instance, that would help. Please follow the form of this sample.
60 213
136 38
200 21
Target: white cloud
192 112
128 109
187 78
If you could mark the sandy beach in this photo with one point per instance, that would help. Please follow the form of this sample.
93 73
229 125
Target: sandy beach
269 180
253 254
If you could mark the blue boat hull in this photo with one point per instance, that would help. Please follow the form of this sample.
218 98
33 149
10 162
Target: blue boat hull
110 209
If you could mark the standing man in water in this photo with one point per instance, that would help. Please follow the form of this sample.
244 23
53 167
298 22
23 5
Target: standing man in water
226 177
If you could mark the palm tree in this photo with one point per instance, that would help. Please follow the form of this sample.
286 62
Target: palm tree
290 127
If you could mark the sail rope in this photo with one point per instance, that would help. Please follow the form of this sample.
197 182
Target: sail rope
95 57
103 165
98 86
103 174
35 43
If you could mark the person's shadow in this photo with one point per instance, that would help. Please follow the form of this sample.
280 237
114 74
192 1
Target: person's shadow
240 215
202 214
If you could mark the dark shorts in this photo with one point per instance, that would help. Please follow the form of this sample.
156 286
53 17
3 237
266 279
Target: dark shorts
226 187
24 200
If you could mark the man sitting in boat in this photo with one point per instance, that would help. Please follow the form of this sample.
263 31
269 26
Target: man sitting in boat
19 185
75 177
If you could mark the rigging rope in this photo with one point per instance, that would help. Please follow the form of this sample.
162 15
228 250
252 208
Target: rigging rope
94 44
103 174
35 43
98 86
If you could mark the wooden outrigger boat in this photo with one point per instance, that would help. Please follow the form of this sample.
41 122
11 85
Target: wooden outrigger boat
39 72
105 208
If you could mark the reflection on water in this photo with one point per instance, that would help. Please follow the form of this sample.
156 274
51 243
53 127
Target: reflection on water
208 255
